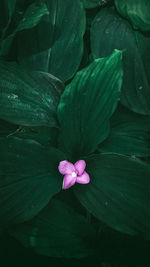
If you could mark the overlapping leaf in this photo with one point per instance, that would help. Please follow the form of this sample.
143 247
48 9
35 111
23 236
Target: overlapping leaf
56 45
87 104
31 18
58 231
29 177
118 193
6 11
46 136
27 98
129 134
109 31
137 11
94 3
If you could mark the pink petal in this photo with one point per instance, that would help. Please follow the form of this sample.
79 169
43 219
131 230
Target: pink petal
65 167
68 181
80 166
83 179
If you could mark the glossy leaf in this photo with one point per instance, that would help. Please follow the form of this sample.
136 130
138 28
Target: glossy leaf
31 18
129 134
118 193
29 177
58 231
94 3
56 45
87 104
137 11
28 98
109 31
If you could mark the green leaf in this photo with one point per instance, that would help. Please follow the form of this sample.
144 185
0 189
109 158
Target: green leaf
94 3
87 104
31 18
29 177
56 44
109 32
28 98
118 193
129 134
137 11
58 231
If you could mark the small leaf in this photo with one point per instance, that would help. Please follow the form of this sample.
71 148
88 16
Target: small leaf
57 231
137 11
108 32
31 18
129 134
56 44
118 193
87 104
29 177
28 98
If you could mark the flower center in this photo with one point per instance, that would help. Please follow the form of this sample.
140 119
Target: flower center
74 174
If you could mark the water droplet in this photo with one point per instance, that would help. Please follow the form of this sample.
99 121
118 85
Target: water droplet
12 96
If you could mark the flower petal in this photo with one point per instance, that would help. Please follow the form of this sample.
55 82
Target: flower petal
80 166
83 179
65 167
68 181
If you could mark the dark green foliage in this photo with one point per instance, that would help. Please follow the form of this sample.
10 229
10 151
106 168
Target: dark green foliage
108 32
61 76
129 134
137 11
28 178
56 44
87 104
58 231
30 18
94 3
118 193
28 98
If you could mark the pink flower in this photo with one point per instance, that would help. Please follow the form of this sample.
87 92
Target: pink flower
73 173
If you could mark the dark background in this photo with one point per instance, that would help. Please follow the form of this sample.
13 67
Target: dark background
115 250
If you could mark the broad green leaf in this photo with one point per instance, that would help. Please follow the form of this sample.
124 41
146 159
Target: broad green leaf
56 44
87 104
137 11
57 231
94 3
29 177
118 193
109 31
129 134
28 98
31 18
